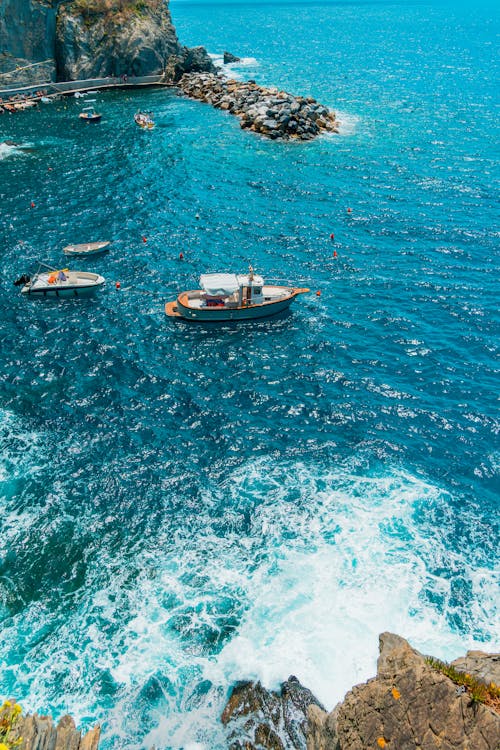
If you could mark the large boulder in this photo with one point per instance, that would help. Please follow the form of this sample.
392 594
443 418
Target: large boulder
409 706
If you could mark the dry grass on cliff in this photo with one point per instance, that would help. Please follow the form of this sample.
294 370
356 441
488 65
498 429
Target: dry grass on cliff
479 692
90 8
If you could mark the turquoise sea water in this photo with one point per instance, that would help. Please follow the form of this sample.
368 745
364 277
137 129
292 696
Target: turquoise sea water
186 506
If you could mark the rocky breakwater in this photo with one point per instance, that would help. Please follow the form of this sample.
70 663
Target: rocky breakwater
268 111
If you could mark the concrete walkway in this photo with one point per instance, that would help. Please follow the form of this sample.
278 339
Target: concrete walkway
71 87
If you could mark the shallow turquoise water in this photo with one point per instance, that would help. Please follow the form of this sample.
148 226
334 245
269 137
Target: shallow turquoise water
186 506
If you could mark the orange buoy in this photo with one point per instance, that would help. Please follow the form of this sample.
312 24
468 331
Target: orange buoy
181 256
32 204
118 285
318 293
349 210
144 239
334 253
332 236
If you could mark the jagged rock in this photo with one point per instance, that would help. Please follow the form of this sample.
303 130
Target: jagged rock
188 60
94 42
40 733
260 719
485 667
229 58
27 31
408 706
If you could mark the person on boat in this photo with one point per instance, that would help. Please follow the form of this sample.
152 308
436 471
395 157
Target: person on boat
61 276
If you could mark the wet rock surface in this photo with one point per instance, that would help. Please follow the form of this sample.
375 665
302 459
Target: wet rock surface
264 719
267 111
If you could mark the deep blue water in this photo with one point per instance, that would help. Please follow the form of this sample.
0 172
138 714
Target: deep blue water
186 506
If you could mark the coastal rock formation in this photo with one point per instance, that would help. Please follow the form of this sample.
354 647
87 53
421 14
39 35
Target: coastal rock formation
39 732
268 111
259 718
94 40
27 33
47 40
407 706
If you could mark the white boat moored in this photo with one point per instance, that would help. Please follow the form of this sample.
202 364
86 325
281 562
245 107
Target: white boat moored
87 248
51 282
228 296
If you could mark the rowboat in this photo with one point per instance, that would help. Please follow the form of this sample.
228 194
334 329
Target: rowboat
144 120
86 249
51 282
228 296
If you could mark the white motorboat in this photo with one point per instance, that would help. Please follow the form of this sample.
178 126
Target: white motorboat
228 296
85 249
51 282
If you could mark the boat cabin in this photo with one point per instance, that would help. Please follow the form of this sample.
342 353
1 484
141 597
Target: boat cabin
231 290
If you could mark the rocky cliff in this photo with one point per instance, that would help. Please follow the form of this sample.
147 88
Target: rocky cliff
43 40
27 35
412 704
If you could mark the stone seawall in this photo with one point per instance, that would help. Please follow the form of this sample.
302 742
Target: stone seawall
268 111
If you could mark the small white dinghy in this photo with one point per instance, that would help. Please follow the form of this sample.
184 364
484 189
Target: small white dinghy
51 282
86 248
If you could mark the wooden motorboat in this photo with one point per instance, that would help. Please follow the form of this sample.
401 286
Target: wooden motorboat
144 120
85 249
51 282
90 115
227 296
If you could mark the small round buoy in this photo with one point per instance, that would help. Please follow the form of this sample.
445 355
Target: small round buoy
334 253
144 239
32 205
118 285
349 210
332 236
318 293
181 256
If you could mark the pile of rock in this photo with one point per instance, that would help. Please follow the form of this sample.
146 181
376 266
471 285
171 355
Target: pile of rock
268 111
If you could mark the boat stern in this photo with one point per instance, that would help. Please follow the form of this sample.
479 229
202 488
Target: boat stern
171 310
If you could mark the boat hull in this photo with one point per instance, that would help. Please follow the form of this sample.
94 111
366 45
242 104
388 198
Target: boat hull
84 250
222 314
85 285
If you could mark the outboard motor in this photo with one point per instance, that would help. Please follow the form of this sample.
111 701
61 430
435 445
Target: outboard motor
22 280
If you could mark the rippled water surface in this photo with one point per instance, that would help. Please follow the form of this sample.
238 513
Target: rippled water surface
185 506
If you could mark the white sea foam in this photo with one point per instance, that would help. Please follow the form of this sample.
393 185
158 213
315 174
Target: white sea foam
348 123
236 70
297 568
7 150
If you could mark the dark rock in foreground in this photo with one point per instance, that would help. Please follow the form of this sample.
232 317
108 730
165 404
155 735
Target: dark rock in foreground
268 111
260 718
